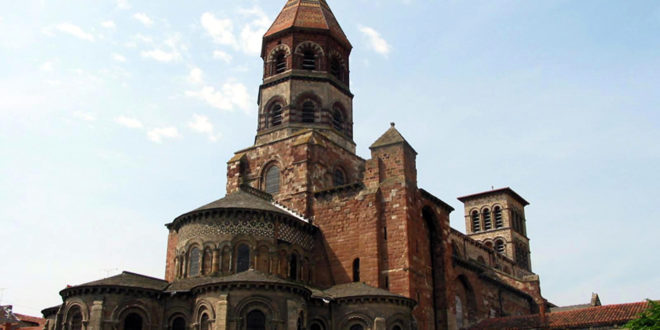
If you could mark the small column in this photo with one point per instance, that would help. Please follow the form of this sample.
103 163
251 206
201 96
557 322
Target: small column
215 263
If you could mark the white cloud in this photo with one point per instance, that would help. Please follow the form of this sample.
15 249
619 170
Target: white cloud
252 33
201 124
220 55
128 122
231 95
376 42
144 19
86 116
46 66
118 57
161 55
196 76
123 4
158 134
221 30
74 30
108 25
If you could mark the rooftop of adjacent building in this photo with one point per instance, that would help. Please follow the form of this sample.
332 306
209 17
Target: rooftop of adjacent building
491 192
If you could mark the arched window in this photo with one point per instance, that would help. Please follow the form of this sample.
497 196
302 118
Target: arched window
272 180
488 224
498 217
499 246
75 318
293 267
205 324
275 115
308 113
300 322
396 327
476 225
356 327
309 60
280 63
356 270
459 311
338 178
242 258
256 320
193 262
338 119
179 323
133 322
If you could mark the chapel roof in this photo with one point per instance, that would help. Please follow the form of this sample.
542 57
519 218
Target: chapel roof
248 276
358 289
308 14
129 279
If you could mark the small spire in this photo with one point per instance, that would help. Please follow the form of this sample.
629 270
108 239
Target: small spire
392 124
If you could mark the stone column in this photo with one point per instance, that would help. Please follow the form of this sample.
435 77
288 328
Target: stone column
96 316
379 324
221 313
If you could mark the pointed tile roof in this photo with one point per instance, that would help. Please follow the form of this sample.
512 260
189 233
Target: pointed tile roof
391 136
308 14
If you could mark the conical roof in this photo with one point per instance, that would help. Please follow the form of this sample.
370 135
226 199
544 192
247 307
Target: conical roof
308 14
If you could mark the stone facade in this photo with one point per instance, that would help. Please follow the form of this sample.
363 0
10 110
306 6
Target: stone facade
312 236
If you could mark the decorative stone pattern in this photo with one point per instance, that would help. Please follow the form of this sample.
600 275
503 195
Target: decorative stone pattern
224 228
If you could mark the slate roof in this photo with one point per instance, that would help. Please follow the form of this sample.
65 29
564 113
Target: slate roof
308 14
131 280
578 318
358 289
391 136
250 275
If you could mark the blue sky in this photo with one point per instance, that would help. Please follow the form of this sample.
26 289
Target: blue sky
117 116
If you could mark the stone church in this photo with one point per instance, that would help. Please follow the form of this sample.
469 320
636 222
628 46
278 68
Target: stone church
312 236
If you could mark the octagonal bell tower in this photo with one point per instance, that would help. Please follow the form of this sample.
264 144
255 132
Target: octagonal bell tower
306 76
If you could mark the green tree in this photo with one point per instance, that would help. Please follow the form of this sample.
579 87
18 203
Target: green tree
648 319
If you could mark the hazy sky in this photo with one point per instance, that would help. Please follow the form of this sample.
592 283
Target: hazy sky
116 116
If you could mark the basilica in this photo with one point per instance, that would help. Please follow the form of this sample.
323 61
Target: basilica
312 236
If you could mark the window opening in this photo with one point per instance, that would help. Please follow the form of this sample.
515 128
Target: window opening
488 224
338 178
396 327
459 311
356 327
499 246
133 322
476 226
276 115
243 258
308 112
76 320
280 63
205 324
356 270
256 320
272 185
335 68
316 326
498 217
193 266
293 267
206 262
337 120
309 60
179 324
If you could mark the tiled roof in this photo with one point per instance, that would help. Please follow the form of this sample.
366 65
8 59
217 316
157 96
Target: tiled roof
128 279
578 318
30 322
357 289
250 275
6 315
308 14
391 136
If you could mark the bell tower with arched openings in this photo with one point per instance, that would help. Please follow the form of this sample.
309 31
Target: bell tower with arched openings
496 218
306 76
